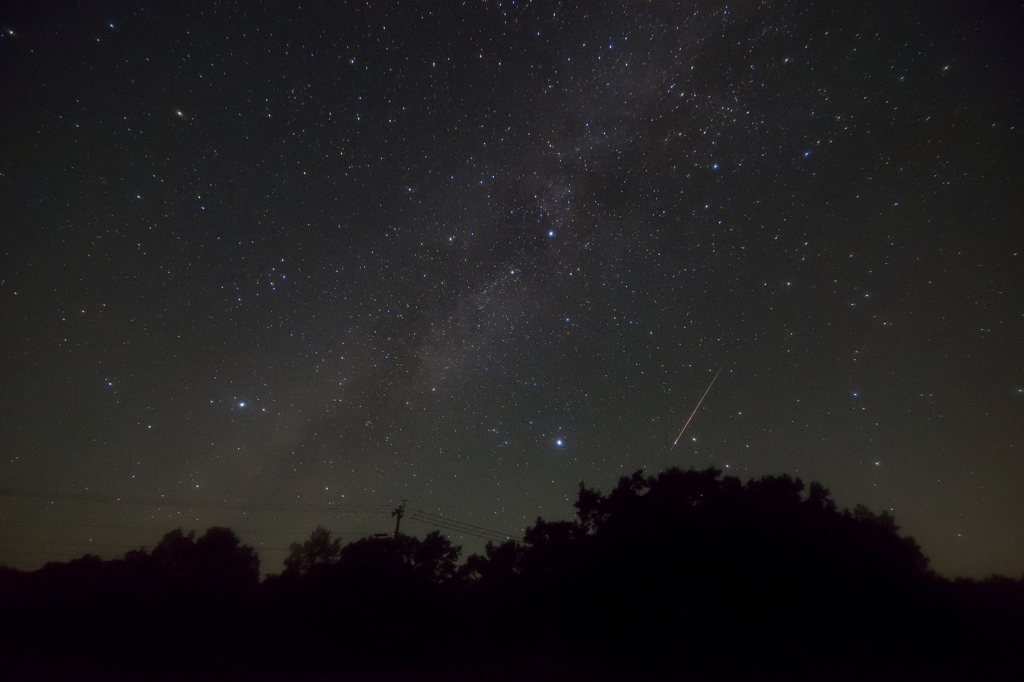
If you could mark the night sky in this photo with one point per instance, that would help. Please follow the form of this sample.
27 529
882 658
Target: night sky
262 259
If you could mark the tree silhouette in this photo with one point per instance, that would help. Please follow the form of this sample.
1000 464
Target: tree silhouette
682 574
435 557
499 565
692 556
223 560
217 559
174 553
316 552
431 559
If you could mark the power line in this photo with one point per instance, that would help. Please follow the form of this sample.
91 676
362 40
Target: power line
163 529
163 502
57 546
462 523
460 526
419 515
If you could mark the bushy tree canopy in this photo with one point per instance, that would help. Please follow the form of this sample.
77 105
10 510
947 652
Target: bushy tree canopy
216 559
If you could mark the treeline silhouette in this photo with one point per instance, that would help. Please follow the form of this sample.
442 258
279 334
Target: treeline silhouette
683 575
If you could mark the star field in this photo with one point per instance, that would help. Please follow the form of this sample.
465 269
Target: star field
468 254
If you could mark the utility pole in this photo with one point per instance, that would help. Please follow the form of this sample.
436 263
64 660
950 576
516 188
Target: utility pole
398 513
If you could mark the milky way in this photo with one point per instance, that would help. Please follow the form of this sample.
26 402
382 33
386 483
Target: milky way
469 254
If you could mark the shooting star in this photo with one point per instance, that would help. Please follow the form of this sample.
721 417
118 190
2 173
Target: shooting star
698 406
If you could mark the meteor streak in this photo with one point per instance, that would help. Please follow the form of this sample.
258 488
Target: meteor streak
698 406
